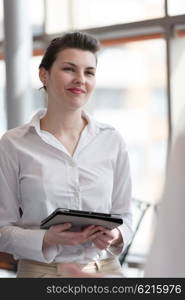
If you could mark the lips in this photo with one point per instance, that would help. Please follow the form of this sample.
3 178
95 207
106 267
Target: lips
76 91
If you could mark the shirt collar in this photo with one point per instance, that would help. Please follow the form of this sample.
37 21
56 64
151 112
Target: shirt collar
35 121
93 126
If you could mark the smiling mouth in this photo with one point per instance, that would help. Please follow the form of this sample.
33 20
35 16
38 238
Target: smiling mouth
76 91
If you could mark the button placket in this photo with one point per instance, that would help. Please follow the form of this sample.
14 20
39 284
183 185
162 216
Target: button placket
74 182
77 192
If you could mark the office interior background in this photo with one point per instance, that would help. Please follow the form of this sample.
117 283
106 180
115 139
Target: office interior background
140 88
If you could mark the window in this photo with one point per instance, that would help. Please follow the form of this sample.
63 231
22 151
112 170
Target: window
89 13
176 7
1 20
37 16
81 14
177 81
58 16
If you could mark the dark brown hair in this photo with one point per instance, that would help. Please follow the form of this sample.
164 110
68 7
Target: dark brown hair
78 40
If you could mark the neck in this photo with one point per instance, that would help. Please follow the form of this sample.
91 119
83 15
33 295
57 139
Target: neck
63 122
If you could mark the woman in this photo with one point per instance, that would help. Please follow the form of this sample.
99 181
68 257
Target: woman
63 158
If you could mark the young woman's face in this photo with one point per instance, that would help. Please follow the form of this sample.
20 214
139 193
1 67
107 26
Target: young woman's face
71 79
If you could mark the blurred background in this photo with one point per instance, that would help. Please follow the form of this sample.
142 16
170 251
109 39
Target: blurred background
140 88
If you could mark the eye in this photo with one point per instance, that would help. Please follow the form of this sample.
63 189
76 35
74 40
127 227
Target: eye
68 69
90 73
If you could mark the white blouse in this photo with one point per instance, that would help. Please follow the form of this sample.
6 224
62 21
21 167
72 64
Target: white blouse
38 175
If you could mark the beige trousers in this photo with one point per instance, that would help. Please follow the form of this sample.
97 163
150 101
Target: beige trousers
109 267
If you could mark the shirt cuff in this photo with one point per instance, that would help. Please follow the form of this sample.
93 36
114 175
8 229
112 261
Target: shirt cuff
28 245
126 233
50 253
116 250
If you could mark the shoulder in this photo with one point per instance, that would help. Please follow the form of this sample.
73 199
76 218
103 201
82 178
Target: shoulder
111 134
104 128
111 129
12 135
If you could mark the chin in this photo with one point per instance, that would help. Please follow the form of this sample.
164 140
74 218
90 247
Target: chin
77 104
75 107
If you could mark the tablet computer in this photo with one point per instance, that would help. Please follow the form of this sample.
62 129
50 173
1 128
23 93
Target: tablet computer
80 219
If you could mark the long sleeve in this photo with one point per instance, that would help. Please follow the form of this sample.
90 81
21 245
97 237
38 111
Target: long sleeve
25 243
121 197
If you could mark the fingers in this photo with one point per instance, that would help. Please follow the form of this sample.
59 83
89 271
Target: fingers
90 230
102 241
93 232
101 228
109 237
95 236
75 238
100 244
62 235
60 227
88 233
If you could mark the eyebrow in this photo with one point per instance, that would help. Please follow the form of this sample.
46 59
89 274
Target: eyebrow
74 65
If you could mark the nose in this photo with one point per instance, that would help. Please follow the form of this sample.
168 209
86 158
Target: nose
79 78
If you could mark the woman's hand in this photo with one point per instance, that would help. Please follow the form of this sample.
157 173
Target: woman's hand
108 238
60 234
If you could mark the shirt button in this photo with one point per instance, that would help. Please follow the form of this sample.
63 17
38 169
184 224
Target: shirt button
72 164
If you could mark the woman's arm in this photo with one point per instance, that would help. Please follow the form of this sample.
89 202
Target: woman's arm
20 242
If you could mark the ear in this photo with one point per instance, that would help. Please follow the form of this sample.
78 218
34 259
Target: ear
43 76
